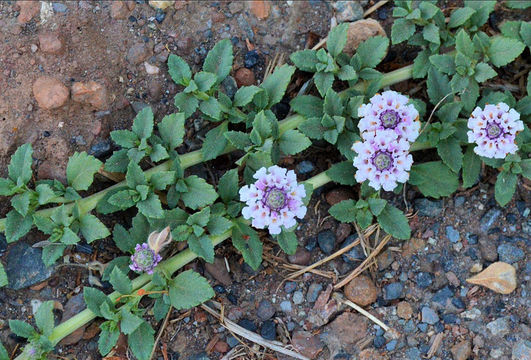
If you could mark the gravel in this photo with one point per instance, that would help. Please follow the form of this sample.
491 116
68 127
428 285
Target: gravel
393 291
429 316
510 254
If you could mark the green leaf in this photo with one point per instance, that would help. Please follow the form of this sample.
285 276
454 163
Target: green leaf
124 138
158 153
121 262
228 186
431 33
526 168
372 51
44 318
332 103
342 173
21 203
471 167
17 225
202 247
81 169
123 239
151 207
215 142
276 84
130 322
218 225
108 337
120 281
171 129
143 123
470 96
421 65
402 30
162 179
312 128
293 142
438 86
3 277
505 187
377 205
117 162
246 241
460 16
364 218
347 73
337 38
22 329
121 200
245 95
186 103
344 211
433 179
205 80
211 108
219 60
238 139
189 289
92 228
179 70
323 81
484 72
3 353
504 50
450 152
199 193
394 222
94 298
305 60
444 63
464 44
6 187
525 33
518 4
20 165
135 176
288 241
307 105
449 112
69 237
52 252
141 341
46 194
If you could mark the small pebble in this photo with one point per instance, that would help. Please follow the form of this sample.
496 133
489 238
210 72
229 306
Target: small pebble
269 330
327 241
285 306
251 59
290 287
452 234
298 297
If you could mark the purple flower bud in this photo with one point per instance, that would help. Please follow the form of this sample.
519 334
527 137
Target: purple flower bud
144 259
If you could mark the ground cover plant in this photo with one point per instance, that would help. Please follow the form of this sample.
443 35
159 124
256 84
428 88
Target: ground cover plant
386 141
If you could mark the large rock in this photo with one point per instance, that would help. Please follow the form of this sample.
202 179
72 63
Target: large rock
139 53
345 331
361 290
50 93
90 93
28 9
121 9
25 267
51 43
359 31
462 350
307 344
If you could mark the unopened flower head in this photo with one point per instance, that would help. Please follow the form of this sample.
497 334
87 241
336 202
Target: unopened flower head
390 111
383 159
158 240
144 259
274 200
494 129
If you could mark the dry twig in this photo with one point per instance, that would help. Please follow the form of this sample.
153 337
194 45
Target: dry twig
361 311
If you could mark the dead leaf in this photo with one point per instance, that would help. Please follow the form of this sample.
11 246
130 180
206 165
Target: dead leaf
260 8
500 277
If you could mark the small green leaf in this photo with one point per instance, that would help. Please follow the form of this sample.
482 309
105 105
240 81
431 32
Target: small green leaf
141 341
189 289
238 139
460 16
199 193
211 107
215 142
505 187
450 152
307 105
323 81
129 322
17 225
117 162
120 281
123 239
484 72
228 186
162 179
21 202
218 225
421 65
342 173
444 63
44 318
121 200
376 205
94 298
135 176
305 60
464 44
69 237
205 80
344 211
276 84
6 187
22 329
124 138
46 193
402 30
219 60
288 241
52 252
525 33
337 38
143 123
394 222
471 167
202 247
526 168
92 228
3 277
3 353
186 103
293 142
438 86
108 337
504 50
179 70
246 241
333 104
372 51
20 165
431 33
81 169
151 207
245 95
433 179
171 129
312 128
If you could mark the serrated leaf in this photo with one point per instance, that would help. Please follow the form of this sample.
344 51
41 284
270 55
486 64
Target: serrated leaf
81 169
238 139
21 202
433 179
151 207
394 222
307 105
3 353
124 138
332 103
22 329
17 226
228 186
179 70
450 152
215 142
245 95
123 239
143 123
6 187
504 50
312 128
372 51
108 338
276 84
219 60
171 129
342 173
52 252
421 65
211 107
288 241
44 318
431 33
484 72
344 211
117 162
323 81
186 103
189 289
135 176
376 205
525 33
305 60
460 16
120 200
120 281
141 341
94 298
337 38
129 322
202 247
199 193
246 241
158 153
471 167
44 224
444 63
402 30
438 85
505 187
218 225
46 193
205 80
293 142
464 44
20 165
92 228
3 276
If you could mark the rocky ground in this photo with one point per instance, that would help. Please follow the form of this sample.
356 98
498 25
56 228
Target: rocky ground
71 72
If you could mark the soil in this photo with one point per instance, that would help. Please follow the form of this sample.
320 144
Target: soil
430 267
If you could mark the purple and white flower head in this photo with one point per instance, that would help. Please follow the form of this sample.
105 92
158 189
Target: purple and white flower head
274 200
390 111
383 159
144 259
494 129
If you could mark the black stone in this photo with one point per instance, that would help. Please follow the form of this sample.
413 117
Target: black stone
251 58
269 330
3 244
159 16
327 241
379 342
355 254
449 318
220 289
201 356
424 280
458 303
311 243
84 248
247 324
442 295
393 291
511 218
232 299
429 208
25 267
101 149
